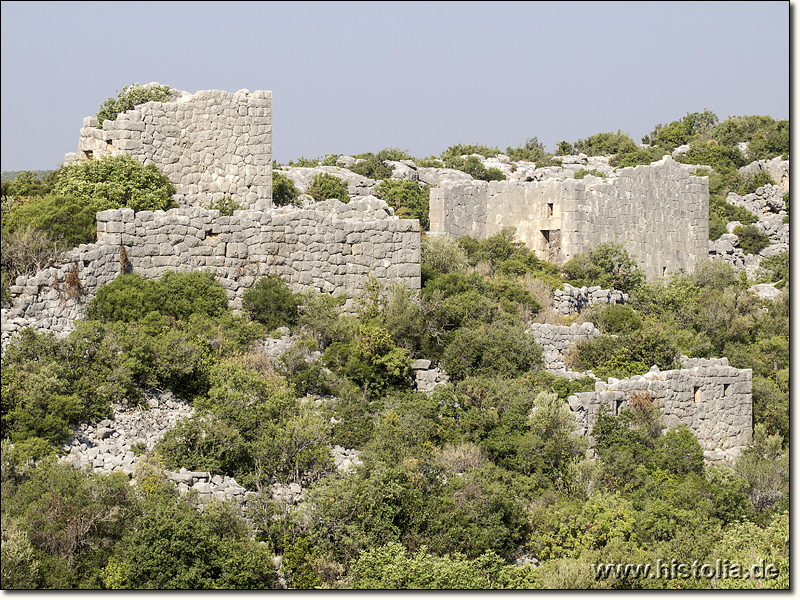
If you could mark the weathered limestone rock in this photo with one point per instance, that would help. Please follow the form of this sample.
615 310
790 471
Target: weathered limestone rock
357 185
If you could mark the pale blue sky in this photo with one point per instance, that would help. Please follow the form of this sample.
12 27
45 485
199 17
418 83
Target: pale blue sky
419 76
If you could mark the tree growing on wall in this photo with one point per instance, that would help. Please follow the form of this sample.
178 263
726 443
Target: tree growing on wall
130 97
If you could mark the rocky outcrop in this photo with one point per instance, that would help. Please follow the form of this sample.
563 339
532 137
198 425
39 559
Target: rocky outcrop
357 185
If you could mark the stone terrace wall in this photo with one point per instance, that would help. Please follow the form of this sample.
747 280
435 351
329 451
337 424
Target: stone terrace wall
210 144
713 399
658 212
556 340
329 247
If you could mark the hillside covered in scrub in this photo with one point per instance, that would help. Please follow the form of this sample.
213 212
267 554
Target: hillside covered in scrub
404 438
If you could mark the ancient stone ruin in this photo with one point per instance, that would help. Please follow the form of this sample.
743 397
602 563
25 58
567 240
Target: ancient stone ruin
329 247
210 145
659 213
711 398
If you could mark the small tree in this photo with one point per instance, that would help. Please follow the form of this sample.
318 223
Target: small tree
284 192
130 97
271 302
325 186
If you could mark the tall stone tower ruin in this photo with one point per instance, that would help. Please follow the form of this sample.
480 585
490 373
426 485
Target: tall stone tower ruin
211 144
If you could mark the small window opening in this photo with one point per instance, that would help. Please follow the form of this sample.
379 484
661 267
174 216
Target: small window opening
109 145
549 209
697 395
663 271
87 154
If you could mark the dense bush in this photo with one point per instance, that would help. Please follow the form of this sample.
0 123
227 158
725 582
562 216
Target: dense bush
751 240
492 351
271 302
533 151
114 182
608 265
409 200
284 192
325 186
602 144
177 295
130 97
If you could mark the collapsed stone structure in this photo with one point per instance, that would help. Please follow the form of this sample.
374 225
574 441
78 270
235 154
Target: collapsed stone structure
711 398
210 145
659 213
570 299
329 247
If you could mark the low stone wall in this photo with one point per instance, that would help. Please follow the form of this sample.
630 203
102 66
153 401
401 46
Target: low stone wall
713 399
571 300
556 340
329 247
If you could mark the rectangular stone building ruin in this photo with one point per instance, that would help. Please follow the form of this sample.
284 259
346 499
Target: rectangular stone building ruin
658 213
711 398
211 145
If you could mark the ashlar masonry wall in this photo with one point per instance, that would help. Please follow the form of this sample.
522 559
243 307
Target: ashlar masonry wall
210 145
329 247
658 212
713 399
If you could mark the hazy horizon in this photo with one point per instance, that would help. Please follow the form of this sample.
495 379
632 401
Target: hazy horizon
359 77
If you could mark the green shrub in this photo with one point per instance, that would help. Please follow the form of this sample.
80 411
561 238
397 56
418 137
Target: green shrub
775 269
602 144
533 151
753 181
371 166
473 166
178 295
409 200
608 265
284 192
584 172
640 156
271 302
492 351
751 240
226 206
371 360
114 182
325 186
128 98
616 319
68 220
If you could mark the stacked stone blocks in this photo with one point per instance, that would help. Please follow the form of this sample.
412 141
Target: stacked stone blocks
210 145
658 212
329 247
711 398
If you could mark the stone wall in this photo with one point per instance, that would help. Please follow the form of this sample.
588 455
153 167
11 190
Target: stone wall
328 247
658 212
571 300
556 340
713 399
210 145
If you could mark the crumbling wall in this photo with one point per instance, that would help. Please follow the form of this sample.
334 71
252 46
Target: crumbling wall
658 212
713 399
328 247
210 145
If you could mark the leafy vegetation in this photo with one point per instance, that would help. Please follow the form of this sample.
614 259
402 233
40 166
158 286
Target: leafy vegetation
325 186
128 98
460 488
